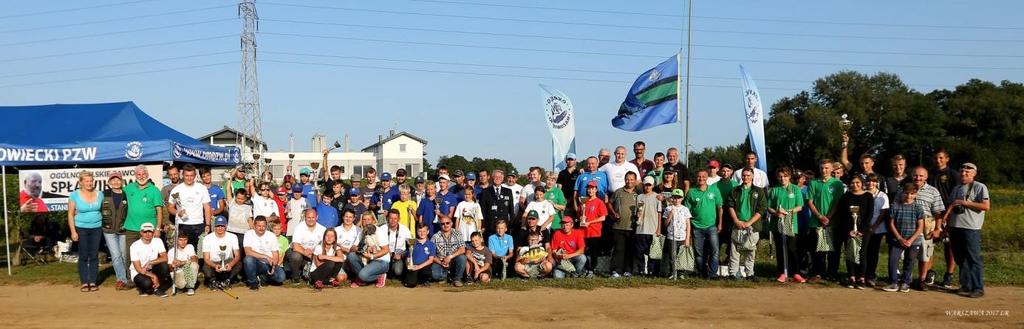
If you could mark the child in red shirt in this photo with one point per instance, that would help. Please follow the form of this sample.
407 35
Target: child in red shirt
594 213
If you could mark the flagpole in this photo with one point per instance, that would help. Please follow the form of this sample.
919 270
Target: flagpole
689 37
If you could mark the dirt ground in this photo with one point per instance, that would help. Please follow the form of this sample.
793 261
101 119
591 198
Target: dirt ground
54 306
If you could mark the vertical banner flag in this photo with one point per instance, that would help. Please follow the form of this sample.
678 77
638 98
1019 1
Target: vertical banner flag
652 100
754 115
561 122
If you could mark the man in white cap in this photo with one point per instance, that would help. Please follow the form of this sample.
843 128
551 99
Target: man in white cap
970 202
149 264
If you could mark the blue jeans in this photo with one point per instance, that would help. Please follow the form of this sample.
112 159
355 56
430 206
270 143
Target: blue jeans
88 250
966 246
368 272
256 271
705 251
456 269
579 262
909 258
118 255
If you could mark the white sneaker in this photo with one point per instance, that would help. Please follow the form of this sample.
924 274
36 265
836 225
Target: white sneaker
190 292
615 274
892 288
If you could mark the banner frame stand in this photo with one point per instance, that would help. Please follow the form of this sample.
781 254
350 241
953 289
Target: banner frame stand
7 226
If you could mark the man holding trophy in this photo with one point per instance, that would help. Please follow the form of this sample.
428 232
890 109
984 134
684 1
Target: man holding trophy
221 255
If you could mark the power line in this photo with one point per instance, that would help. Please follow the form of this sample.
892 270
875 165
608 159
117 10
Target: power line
521 20
635 55
636 41
94 51
843 36
117 75
415 61
116 65
120 19
490 74
467 32
74 9
724 17
114 32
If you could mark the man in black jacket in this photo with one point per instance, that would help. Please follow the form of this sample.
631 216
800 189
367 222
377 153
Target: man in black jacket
496 204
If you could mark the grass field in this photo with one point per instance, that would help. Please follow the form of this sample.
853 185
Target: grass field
1002 240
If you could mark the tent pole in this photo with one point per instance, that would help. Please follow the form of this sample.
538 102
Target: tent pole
7 227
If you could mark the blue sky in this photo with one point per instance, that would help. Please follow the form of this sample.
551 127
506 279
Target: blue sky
363 67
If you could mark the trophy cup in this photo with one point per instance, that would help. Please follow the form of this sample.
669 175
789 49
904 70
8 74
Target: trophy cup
222 254
845 125
437 208
291 160
583 211
855 214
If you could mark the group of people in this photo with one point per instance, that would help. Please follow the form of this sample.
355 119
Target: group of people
608 216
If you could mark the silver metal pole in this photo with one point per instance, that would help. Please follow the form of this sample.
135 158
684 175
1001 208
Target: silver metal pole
7 227
689 50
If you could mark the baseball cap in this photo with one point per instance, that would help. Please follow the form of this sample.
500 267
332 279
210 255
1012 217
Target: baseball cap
282 190
353 191
532 214
220 221
714 164
649 180
444 177
968 165
677 193
400 172
592 183
355 177
419 180
146 227
115 174
304 171
458 173
570 156
566 219
297 188
512 173
727 165
385 176
471 176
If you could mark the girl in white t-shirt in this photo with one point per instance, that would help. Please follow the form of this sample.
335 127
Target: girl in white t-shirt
879 219
468 216
184 265
328 260
677 221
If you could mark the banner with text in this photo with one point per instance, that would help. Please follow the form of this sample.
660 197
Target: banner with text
561 122
48 189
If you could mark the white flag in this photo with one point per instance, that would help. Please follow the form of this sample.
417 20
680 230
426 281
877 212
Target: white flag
561 122
754 113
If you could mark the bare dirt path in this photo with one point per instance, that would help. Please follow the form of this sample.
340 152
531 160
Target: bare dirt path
52 306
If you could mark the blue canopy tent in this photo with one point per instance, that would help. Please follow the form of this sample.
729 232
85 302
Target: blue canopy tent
96 134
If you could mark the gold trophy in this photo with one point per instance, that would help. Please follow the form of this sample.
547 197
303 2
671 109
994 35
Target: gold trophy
845 125
408 250
855 214
582 212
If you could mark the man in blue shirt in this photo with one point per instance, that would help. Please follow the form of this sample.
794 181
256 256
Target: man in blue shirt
591 174
217 205
307 187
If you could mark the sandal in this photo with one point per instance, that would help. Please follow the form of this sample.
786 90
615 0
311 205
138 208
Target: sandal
94 288
85 288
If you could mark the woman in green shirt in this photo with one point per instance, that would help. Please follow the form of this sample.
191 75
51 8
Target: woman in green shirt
784 202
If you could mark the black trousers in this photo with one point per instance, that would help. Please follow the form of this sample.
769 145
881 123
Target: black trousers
145 284
787 249
622 254
836 255
212 273
325 272
642 248
594 247
871 250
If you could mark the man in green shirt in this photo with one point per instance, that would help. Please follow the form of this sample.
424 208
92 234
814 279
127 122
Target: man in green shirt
145 205
746 203
623 207
724 185
784 202
822 196
705 204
